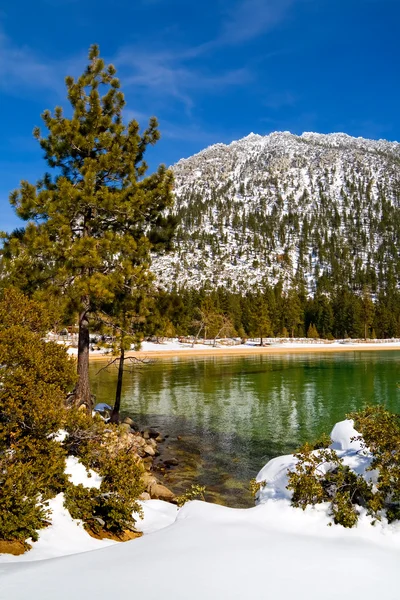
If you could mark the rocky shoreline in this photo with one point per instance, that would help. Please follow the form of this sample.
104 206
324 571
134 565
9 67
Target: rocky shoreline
147 444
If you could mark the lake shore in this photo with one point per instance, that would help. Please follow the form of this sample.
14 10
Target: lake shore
170 350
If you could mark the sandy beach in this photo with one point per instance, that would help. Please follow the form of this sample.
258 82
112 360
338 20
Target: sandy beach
175 350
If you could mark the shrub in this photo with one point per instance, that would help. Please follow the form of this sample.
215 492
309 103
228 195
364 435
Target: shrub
380 434
255 486
112 506
34 379
107 449
21 511
320 475
195 492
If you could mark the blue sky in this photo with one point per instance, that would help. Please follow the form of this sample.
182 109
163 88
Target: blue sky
211 71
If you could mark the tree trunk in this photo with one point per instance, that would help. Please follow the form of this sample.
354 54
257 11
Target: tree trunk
117 404
82 393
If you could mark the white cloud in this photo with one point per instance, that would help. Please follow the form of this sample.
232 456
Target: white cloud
168 74
248 19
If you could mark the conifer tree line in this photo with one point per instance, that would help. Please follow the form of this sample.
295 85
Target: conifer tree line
275 312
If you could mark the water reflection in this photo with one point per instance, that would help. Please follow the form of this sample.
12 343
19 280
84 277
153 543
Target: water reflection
233 414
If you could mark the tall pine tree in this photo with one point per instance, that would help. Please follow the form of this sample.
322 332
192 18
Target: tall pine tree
92 224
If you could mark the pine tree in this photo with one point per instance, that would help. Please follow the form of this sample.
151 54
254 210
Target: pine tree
259 321
292 311
90 226
312 332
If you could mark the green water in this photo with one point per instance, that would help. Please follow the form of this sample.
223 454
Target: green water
227 416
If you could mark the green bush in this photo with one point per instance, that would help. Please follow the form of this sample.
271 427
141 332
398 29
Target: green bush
380 434
110 507
195 492
34 379
320 475
255 486
21 510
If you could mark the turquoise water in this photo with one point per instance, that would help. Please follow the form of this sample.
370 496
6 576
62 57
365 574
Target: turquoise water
232 414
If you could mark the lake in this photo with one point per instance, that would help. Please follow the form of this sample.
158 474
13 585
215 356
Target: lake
225 417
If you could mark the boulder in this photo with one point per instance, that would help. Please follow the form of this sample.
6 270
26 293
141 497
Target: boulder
145 496
160 492
149 450
125 427
170 461
130 422
153 433
148 481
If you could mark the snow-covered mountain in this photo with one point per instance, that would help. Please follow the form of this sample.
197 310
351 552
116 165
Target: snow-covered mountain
282 206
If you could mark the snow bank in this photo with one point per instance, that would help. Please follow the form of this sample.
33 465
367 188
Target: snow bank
64 536
214 552
174 345
209 551
348 449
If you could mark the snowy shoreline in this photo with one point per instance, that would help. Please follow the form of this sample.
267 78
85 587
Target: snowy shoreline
174 348
209 551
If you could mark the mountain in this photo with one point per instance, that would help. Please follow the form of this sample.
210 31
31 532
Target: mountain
316 208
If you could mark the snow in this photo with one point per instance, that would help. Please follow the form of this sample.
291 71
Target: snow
350 451
209 551
342 436
59 436
156 515
64 536
78 473
173 345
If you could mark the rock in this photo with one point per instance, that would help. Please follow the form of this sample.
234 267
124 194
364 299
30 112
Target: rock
149 450
15 548
170 461
145 496
149 480
153 433
129 422
125 536
125 427
160 492
160 439
152 442
146 434
148 463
